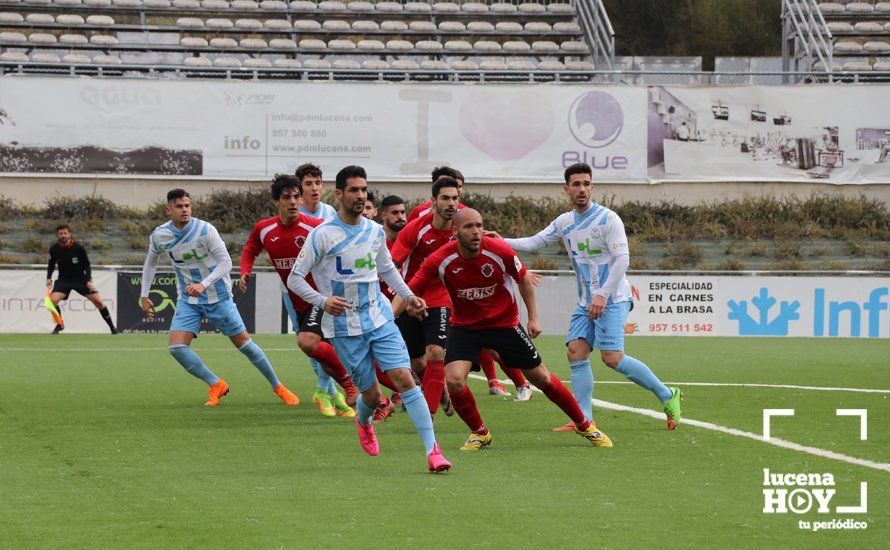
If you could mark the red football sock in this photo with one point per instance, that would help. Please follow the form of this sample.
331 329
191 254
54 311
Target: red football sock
465 405
560 394
384 378
433 383
324 352
487 364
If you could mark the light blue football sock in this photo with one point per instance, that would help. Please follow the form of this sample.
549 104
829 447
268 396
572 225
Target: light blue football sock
419 412
582 386
637 372
192 363
363 413
323 380
260 361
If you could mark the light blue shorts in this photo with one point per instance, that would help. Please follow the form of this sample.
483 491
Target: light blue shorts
605 333
383 344
224 315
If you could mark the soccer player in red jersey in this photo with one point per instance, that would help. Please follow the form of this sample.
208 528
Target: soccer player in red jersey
439 172
282 237
478 273
426 338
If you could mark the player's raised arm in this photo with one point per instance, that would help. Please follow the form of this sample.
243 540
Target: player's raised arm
549 235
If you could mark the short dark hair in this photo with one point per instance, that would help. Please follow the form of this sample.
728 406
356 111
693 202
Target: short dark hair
174 194
62 226
391 200
577 168
441 183
440 171
282 182
307 169
371 197
351 171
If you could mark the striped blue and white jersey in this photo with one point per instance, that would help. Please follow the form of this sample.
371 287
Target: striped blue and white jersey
346 260
593 241
198 255
324 211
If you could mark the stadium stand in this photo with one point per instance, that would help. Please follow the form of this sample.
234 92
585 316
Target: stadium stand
533 39
841 36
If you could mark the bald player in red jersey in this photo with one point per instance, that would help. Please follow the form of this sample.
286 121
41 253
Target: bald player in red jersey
479 273
282 237
426 338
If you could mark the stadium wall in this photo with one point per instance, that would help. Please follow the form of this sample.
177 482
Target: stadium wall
676 305
137 192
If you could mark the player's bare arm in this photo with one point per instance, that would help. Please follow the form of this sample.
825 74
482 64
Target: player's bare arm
527 292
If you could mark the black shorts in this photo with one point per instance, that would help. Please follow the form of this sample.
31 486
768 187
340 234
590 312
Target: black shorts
513 344
78 285
310 320
431 331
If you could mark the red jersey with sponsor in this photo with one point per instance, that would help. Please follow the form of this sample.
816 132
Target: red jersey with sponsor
480 288
423 209
417 241
283 243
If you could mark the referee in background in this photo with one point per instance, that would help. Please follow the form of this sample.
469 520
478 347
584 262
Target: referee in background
74 274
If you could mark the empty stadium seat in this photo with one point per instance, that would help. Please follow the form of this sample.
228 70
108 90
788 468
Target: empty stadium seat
516 46
248 24
551 66
460 45
215 4
193 42
199 61
545 46
107 60
848 47
312 44
277 24
100 20
575 46
189 22
428 45
103 40
868 26
452 26
97 3
464 65
302 6
45 58
560 8
331 6
306 25
335 25
480 26
257 63
253 43
474 7
341 44
876 47
219 23
389 7
486 46
375 64
520 65
566 27
156 3
538 26
42 38
508 27
580 66
287 64
11 17
362 25
860 7
361 7
396 26
40 19
223 43
433 65
882 7
67 3
831 7
371 45
186 4
70 19
492 65
405 65
502 7
532 7
350 64
282 44
317 64
14 37
227 62
446 7
14 56
399 45
422 26
857 66
881 66
273 5
73 39
417 7
840 26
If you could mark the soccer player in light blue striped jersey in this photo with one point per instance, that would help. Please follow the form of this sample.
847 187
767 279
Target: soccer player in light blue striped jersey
346 256
202 265
596 243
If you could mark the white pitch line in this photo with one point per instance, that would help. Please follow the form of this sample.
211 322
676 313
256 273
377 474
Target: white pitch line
733 431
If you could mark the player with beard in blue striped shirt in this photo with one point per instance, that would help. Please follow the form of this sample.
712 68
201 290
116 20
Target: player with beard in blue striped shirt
202 265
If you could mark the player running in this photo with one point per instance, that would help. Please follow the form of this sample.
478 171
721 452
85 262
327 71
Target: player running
595 241
325 363
202 265
426 338
479 273
282 237
74 274
345 257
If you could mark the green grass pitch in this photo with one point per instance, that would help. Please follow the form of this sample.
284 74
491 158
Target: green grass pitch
104 443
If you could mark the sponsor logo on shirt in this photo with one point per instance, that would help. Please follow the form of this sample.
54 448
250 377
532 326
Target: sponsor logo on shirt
194 255
285 263
585 247
360 263
457 270
273 239
477 293
358 308
75 259
430 241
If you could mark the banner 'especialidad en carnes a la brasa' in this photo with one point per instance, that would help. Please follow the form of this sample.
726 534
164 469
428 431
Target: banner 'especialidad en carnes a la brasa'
398 132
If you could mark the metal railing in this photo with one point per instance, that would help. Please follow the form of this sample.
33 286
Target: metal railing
597 29
805 36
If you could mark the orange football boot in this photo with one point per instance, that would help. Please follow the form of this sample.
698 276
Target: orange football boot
286 395
216 391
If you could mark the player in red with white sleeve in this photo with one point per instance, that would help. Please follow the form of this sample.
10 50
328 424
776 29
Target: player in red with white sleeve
426 338
282 237
478 273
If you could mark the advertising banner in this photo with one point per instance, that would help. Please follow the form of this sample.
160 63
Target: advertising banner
761 306
21 304
835 134
163 295
493 133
